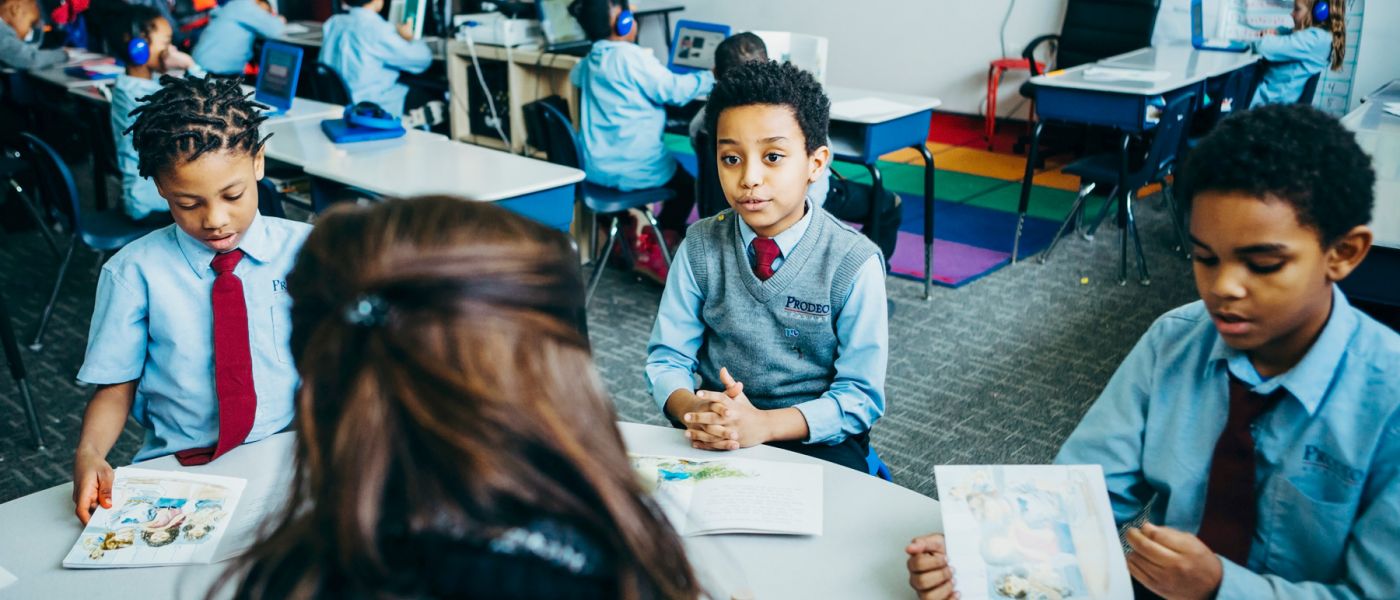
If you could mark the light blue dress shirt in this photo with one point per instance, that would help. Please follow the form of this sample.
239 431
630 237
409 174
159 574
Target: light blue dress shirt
369 54
153 321
1327 455
623 87
1293 59
227 43
856 397
139 195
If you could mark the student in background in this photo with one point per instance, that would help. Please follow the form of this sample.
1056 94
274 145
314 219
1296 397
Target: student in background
1264 419
369 53
778 305
455 439
20 16
1294 57
845 200
226 45
623 89
140 198
189 330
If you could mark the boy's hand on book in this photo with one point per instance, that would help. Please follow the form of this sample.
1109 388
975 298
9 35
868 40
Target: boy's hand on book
929 573
1174 564
92 484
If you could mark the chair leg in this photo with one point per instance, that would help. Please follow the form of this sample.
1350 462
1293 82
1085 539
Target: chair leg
38 343
35 214
1143 277
602 262
1178 219
660 239
1074 216
1108 205
10 346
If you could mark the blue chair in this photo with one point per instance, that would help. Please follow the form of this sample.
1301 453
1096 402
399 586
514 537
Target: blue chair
330 87
557 139
1105 169
103 232
878 467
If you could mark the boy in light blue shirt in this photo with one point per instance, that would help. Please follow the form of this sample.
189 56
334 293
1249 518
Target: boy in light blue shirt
226 45
369 54
1294 57
190 328
775 290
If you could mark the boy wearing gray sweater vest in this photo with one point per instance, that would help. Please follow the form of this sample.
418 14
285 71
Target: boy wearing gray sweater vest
777 306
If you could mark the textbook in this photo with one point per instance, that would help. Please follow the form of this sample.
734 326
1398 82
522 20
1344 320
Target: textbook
1031 532
158 518
734 495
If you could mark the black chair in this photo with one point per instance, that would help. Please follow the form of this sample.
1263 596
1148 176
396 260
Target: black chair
709 196
1310 89
550 132
104 232
1106 169
330 87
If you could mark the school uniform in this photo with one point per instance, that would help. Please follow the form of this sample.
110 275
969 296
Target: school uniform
369 54
227 43
19 54
1324 452
140 199
154 321
1293 58
814 335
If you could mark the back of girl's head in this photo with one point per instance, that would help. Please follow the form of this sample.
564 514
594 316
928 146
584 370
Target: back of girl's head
736 50
135 20
446 387
191 116
1336 25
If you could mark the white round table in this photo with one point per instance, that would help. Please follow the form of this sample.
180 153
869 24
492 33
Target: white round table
867 523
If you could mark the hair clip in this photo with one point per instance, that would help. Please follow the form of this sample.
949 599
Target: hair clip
368 310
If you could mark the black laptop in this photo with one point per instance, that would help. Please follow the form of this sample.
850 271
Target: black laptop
562 32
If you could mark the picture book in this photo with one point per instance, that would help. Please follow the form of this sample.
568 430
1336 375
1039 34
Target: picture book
734 495
1031 532
158 518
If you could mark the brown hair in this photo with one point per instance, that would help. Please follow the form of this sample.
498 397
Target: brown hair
1337 24
446 384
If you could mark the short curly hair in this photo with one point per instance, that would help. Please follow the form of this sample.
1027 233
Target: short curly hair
776 84
1291 152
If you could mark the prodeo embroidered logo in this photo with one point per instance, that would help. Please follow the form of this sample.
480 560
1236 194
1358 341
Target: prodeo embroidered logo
807 310
1317 458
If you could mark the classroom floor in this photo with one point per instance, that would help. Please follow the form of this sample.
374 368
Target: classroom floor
998 371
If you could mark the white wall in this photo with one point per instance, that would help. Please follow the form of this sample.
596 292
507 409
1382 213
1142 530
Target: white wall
1378 57
928 47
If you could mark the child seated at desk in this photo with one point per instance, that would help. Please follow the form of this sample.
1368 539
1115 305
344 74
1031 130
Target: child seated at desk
1306 51
845 200
226 45
774 290
20 16
1258 430
455 438
189 330
622 89
369 54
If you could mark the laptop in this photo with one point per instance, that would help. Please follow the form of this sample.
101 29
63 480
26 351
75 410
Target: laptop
562 32
1198 36
278 72
693 46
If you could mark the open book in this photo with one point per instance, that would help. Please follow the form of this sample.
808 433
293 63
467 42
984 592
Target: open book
158 518
1031 532
734 495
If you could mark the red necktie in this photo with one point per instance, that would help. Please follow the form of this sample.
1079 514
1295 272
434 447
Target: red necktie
1231 513
765 251
233 363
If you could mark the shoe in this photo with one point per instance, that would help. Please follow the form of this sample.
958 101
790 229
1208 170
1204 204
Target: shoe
646 252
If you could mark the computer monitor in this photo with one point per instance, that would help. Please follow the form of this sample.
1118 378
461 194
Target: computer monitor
693 46
561 29
1198 33
278 72
413 12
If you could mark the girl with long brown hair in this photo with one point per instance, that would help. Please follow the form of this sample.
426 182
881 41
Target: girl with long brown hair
453 437
1318 40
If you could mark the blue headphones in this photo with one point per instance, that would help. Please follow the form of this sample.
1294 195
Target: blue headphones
1321 11
626 21
370 116
138 50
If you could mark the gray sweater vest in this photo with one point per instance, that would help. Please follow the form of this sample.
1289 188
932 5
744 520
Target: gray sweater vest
778 337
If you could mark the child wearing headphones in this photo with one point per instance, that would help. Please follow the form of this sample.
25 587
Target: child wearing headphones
226 45
145 42
623 88
1319 37
20 17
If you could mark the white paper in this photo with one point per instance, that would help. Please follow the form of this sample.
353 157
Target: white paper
867 107
734 495
6 578
1116 74
1040 531
295 29
158 518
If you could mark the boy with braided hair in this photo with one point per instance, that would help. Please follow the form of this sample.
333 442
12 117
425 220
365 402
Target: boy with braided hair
190 331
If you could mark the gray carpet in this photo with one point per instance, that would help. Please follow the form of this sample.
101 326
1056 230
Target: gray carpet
999 371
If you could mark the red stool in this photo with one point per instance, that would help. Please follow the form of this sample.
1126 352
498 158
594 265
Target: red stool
994 72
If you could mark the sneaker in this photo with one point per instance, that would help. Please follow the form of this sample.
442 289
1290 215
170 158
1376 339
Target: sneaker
646 251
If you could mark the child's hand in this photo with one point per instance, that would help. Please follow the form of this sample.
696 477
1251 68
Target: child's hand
92 484
1174 564
406 31
729 422
929 573
176 60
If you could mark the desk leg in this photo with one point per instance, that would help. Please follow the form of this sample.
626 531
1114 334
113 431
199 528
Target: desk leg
877 202
666 18
929 171
1032 155
1123 209
16 363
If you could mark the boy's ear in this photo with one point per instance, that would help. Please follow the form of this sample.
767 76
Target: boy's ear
816 161
259 165
1348 251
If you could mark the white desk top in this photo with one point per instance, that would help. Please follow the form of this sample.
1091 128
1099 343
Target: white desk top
854 105
1378 134
867 524
302 108
1185 64
57 76
301 142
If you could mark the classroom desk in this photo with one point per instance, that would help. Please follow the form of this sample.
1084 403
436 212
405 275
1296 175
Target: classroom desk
866 125
1068 96
530 74
860 555
1378 134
